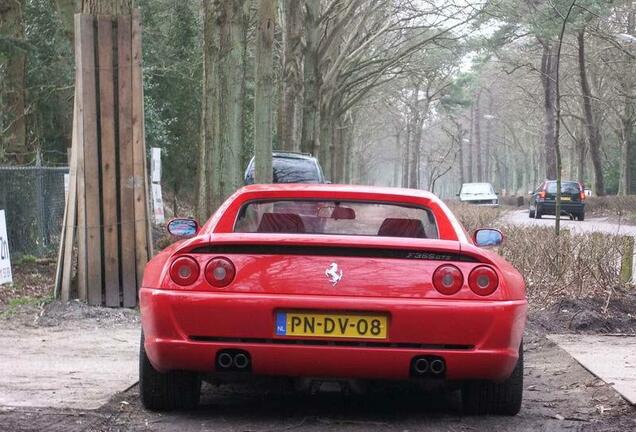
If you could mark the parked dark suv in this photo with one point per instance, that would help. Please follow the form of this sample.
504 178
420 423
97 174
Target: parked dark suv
543 199
290 167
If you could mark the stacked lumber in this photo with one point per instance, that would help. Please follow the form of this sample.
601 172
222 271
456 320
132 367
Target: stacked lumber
106 241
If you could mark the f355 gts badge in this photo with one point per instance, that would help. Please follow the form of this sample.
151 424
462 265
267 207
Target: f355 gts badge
333 274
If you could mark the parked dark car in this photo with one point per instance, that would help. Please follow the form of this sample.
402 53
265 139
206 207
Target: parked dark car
543 200
290 167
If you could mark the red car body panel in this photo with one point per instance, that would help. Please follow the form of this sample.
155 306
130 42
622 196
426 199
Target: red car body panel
477 336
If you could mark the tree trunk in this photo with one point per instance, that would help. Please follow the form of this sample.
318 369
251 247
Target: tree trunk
477 149
208 168
263 92
106 7
311 103
292 84
231 81
13 85
591 126
628 116
471 146
460 152
548 81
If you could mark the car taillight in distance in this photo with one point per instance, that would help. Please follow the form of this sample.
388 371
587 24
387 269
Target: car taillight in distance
184 270
483 280
219 272
448 279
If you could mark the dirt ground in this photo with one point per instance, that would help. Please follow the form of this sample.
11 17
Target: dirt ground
559 395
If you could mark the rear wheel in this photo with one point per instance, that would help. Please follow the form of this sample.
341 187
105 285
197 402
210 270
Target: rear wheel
537 212
166 391
488 397
582 216
531 213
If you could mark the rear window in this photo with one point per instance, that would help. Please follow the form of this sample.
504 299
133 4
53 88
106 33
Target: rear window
477 188
290 170
566 187
336 218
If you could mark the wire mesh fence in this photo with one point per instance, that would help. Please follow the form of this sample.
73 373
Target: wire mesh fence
33 199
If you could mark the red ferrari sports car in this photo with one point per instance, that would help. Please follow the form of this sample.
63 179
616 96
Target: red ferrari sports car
332 283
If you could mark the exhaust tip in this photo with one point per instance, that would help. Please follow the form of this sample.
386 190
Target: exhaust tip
421 365
241 361
437 366
224 360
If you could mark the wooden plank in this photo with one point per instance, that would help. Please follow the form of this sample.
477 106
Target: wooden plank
81 208
65 266
126 174
139 150
108 160
91 163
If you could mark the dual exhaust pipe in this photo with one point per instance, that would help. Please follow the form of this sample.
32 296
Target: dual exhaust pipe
233 360
428 366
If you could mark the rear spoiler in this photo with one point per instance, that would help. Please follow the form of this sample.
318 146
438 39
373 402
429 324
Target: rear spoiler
328 245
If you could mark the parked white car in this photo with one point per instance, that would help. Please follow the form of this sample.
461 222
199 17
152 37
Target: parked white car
478 193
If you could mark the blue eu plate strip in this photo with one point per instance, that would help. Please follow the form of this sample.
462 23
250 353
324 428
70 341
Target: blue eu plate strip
281 324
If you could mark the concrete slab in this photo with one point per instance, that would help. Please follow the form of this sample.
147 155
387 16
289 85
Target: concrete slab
66 367
611 358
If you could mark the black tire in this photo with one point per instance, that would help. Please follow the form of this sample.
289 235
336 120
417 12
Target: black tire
531 214
166 391
582 216
488 397
537 213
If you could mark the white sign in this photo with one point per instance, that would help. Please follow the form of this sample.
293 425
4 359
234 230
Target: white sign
155 165
5 261
157 203
67 181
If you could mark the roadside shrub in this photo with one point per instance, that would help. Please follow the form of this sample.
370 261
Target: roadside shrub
513 200
473 216
621 207
565 267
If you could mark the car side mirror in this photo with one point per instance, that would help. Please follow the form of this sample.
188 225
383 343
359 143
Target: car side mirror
183 227
488 237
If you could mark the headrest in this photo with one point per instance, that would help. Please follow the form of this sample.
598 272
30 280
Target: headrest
394 227
281 223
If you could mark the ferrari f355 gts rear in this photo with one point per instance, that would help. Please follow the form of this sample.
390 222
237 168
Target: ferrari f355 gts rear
331 282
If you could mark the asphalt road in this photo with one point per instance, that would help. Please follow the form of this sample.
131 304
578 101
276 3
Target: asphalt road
520 217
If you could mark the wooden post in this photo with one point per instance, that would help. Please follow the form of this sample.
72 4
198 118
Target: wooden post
108 172
627 259
139 152
126 173
80 46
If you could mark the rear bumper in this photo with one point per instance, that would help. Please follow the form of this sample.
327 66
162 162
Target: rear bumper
550 207
477 339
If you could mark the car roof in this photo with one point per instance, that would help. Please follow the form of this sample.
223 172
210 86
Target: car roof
334 188
292 155
481 184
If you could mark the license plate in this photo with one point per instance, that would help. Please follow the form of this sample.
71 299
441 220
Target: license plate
564 198
365 326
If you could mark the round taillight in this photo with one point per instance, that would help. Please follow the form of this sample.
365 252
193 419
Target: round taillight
448 279
483 280
184 270
219 272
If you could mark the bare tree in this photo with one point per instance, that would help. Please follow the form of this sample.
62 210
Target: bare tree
263 92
